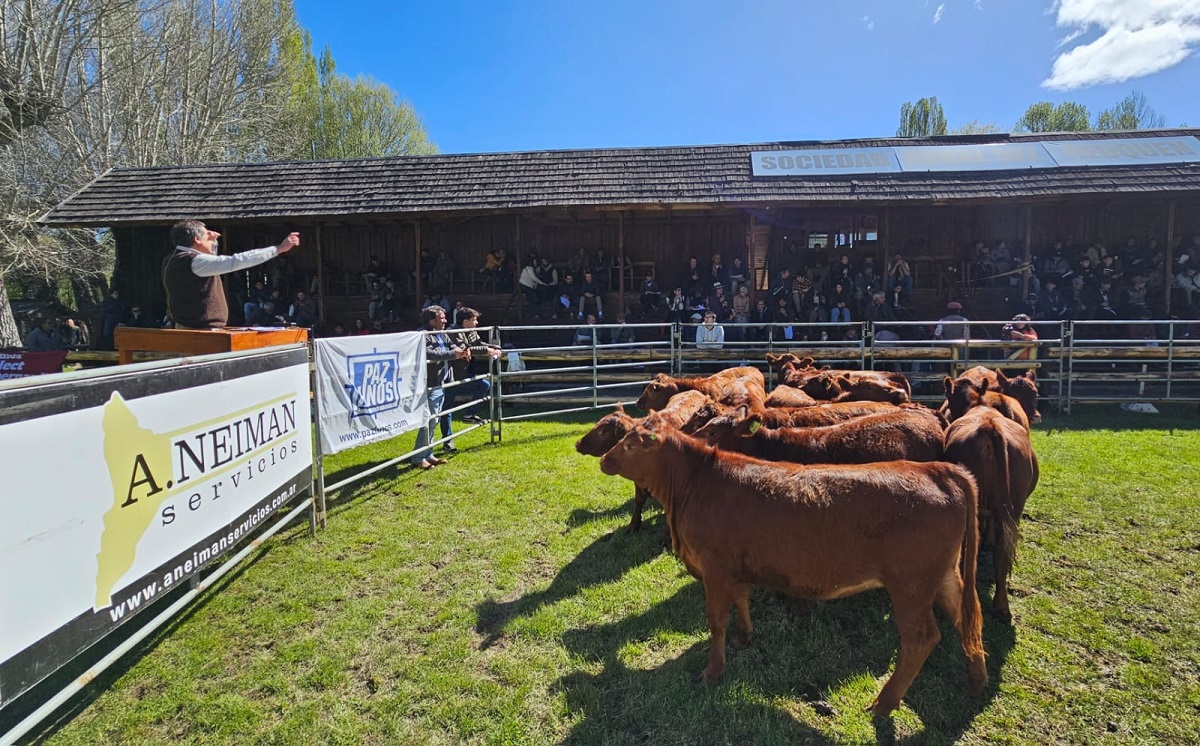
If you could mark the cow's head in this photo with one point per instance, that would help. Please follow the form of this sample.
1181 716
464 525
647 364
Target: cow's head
961 395
722 430
825 386
657 393
1024 389
634 456
606 433
703 416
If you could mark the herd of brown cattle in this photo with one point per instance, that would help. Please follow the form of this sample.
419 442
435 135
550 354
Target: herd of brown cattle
834 484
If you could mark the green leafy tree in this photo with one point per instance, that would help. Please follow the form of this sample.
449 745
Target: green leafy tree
1046 117
1130 113
975 127
922 119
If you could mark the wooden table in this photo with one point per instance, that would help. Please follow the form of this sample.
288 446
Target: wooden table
201 341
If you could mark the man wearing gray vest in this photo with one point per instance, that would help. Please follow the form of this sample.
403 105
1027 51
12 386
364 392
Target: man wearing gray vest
192 274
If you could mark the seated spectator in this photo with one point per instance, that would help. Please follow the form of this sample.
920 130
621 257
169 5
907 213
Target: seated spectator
389 309
878 311
254 298
376 272
442 273
495 268
579 262
267 315
338 331
586 335
568 294
677 307
1110 267
375 307
359 328
897 298
698 287
532 286
1050 305
801 286
1102 299
741 305
719 304
622 333
1136 300
760 317
74 336
651 297
1020 331
737 275
142 320
839 301
456 313
42 337
1029 306
1187 286
303 311
841 272
783 286
1055 264
900 273
546 272
113 313
710 335
717 272
590 296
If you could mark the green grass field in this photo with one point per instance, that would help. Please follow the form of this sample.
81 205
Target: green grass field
499 599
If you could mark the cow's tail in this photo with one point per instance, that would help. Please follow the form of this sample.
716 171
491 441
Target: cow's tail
1002 512
971 630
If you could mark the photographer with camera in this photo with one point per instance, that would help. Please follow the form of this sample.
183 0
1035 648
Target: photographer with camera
1020 331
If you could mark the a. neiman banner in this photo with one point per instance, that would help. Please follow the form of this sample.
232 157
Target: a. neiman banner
370 388
120 487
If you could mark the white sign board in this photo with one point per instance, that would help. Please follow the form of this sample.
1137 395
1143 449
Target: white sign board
830 162
370 388
118 488
1129 151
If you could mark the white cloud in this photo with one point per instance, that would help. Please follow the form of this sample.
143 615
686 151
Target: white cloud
937 14
870 24
1138 38
978 4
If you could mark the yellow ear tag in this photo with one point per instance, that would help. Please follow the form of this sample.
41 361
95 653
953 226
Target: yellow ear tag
754 426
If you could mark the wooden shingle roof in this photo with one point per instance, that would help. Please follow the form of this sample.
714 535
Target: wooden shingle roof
709 175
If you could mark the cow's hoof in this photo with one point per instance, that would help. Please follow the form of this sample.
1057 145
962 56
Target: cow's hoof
711 675
633 528
1003 615
741 642
882 710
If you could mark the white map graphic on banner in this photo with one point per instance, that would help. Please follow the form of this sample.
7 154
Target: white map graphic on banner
370 388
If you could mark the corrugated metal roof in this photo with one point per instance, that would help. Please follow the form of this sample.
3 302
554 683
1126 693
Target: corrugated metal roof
716 174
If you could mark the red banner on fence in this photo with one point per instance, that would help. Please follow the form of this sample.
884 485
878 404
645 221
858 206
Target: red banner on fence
22 364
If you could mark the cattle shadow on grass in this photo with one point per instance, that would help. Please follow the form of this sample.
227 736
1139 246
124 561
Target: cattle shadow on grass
605 560
771 690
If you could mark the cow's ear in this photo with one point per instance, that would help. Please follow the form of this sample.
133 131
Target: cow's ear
742 412
948 383
1031 374
843 378
980 388
806 362
1003 379
620 408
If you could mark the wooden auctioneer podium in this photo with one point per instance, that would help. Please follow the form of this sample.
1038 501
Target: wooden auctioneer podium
201 341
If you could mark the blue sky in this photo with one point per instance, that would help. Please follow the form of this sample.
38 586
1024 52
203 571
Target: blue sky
506 76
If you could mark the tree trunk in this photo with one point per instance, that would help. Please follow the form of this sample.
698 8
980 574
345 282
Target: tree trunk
9 335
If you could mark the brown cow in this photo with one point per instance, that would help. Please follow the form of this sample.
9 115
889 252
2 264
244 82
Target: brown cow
789 396
611 429
818 532
840 385
796 372
736 386
998 452
819 415
962 395
1023 388
908 434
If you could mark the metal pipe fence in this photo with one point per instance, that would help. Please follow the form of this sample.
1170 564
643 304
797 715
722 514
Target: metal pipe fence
1074 361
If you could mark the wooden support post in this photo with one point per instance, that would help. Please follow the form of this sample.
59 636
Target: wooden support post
887 244
620 263
1027 255
417 263
520 266
1168 277
321 289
